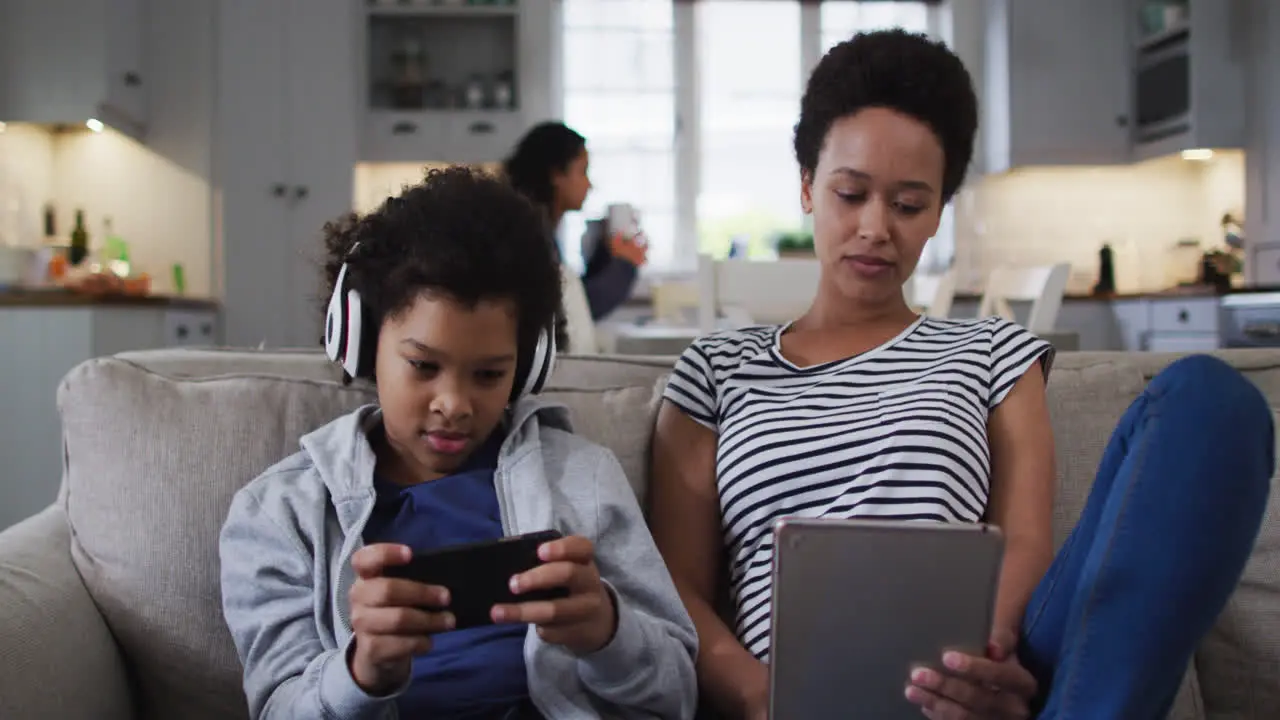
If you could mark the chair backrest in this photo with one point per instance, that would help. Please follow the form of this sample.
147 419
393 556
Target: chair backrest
942 289
675 302
577 311
746 292
1041 285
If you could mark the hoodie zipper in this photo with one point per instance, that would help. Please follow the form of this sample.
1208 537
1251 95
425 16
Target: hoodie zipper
345 571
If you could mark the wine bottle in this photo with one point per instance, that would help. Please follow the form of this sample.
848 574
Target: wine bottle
79 240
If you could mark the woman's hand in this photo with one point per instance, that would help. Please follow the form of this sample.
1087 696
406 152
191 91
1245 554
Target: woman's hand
583 622
392 619
633 250
992 687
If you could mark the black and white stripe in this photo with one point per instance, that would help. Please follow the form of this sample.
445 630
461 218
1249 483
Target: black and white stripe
898 432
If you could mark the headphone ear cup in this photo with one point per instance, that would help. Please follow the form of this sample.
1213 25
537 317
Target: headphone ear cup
353 360
542 363
335 322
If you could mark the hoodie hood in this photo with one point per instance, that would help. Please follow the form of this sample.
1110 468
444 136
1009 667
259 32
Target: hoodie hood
343 456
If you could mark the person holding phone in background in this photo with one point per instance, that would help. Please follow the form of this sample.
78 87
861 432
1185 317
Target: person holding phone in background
549 166
863 409
444 298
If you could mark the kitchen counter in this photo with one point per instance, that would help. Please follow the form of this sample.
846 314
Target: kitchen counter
1190 291
67 298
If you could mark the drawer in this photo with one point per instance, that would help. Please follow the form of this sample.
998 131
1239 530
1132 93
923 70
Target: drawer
449 136
190 328
1193 315
1182 342
482 136
404 136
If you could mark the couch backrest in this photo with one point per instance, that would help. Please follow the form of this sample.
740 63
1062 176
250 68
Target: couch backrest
158 442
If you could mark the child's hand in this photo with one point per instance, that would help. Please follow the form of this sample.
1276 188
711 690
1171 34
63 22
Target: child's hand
584 621
389 619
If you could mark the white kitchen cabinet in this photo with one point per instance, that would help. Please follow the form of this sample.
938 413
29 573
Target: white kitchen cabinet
458 42
54 339
1133 319
286 140
1167 324
1262 149
66 61
1056 83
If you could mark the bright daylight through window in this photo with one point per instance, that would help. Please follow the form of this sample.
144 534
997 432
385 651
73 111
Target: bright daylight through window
621 91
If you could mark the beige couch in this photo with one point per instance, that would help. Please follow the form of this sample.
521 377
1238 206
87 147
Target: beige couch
109 600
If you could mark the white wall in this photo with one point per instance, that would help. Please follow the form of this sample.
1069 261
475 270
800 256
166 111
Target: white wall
26 182
375 182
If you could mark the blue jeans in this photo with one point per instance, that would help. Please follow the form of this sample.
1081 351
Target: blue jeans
1163 539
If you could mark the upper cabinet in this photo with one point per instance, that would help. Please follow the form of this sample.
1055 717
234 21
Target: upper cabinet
453 80
1109 81
1056 83
1189 75
69 61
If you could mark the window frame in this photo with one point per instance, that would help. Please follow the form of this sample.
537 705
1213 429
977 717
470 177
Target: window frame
686 143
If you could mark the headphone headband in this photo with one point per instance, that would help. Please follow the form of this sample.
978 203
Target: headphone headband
345 341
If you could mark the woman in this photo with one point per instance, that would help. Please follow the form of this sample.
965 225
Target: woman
862 408
549 166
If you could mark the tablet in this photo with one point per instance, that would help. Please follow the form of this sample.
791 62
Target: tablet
857 604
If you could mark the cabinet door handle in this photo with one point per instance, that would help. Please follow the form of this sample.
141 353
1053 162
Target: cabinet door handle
404 128
300 192
132 79
480 127
279 190
1183 315
181 332
1122 121
206 329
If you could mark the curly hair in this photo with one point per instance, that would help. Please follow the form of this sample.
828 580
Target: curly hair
460 233
548 147
897 70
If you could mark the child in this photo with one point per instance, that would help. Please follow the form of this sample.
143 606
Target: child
445 297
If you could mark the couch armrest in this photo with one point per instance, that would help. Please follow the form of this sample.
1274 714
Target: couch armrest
57 657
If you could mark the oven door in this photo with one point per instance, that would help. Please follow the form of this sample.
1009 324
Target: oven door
1250 321
1163 88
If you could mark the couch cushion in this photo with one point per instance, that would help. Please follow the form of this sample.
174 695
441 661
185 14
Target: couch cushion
1239 660
154 457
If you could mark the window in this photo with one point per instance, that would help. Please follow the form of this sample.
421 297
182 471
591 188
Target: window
842 20
748 61
619 92
722 78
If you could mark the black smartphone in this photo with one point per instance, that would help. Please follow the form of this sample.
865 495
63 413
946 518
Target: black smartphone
477 575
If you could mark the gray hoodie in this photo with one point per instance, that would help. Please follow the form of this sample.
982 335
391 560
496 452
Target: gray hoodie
286 552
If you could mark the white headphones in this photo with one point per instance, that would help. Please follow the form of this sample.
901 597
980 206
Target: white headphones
345 344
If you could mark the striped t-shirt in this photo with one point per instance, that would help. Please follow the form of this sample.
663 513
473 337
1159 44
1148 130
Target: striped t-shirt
898 432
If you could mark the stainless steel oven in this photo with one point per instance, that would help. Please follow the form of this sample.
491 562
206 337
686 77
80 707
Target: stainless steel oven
1163 87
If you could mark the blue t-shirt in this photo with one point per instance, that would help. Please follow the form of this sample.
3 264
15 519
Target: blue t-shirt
479 673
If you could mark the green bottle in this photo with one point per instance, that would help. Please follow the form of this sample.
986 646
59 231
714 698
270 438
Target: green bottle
79 241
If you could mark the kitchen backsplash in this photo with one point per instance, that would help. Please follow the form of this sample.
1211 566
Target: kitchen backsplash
161 209
1064 214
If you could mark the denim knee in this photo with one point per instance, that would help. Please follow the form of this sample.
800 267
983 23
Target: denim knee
1211 380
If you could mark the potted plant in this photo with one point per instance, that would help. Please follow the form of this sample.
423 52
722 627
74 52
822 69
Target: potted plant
795 245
